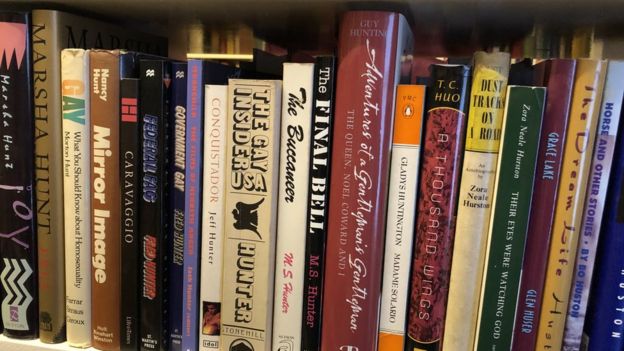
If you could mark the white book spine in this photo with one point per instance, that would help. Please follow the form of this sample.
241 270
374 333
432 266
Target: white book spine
215 126
76 185
292 204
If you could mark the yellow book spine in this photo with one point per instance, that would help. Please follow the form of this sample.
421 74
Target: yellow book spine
483 135
579 147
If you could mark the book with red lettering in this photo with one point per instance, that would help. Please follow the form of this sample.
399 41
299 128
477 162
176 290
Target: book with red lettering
371 47
153 204
558 76
440 170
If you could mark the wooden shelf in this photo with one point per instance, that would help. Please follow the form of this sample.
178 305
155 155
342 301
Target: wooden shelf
8 344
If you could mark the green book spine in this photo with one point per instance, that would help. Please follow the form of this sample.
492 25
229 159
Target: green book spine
510 216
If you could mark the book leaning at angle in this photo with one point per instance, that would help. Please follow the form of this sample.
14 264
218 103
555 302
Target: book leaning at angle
250 213
575 169
105 199
77 194
485 119
53 31
18 245
403 185
370 52
510 216
447 102
603 328
294 168
215 124
557 75
610 114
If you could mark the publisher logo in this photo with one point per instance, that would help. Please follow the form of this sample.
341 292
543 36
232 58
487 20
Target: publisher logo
241 345
246 216
14 314
285 345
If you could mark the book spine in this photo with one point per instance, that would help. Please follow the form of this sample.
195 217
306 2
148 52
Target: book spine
251 209
603 329
18 250
49 182
105 199
153 204
597 192
177 150
292 206
485 119
558 77
510 215
318 197
403 183
437 203
129 178
215 115
579 147
76 181
192 218
369 69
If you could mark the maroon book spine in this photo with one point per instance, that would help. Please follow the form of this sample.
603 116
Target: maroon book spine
370 48
558 76
447 104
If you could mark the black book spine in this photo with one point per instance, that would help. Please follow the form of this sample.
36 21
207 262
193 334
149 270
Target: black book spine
154 202
177 131
317 202
130 156
18 250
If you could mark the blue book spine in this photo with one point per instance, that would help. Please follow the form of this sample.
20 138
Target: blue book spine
604 327
194 133
177 115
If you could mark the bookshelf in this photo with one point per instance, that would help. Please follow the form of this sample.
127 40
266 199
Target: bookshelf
456 27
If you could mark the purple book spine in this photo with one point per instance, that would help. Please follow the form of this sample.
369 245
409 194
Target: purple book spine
193 194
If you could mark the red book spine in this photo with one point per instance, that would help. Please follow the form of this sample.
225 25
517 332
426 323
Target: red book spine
370 49
558 76
437 205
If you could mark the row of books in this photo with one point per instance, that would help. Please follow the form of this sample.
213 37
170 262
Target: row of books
204 208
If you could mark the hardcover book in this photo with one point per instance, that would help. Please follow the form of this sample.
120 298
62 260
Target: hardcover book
318 197
575 168
610 113
77 193
296 125
603 329
371 47
557 75
402 197
130 155
18 246
250 213
177 213
445 125
153 203
215 118
105 199
485 119
510 216
53 31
